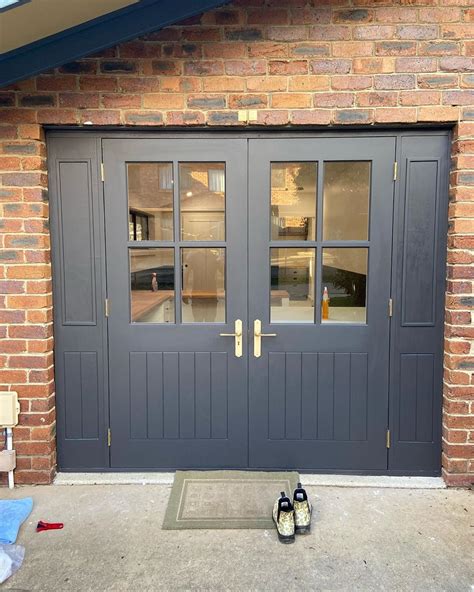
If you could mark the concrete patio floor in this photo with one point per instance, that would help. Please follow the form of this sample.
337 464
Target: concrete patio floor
362 540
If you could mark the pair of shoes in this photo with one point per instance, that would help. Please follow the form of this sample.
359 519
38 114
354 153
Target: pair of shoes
291 518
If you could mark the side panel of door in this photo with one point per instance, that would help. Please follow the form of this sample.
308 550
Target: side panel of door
79 291
419 271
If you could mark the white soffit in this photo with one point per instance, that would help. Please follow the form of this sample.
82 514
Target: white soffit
37 19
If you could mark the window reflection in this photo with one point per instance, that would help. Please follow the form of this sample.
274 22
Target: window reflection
292 285
152 285
203 291
345 279
293 200
150 201
346 200
202 200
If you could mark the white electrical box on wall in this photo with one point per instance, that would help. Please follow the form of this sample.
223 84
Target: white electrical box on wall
9 409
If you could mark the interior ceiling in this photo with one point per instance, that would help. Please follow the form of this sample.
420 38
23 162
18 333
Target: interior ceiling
40 18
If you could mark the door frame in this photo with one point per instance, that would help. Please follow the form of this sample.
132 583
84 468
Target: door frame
54 132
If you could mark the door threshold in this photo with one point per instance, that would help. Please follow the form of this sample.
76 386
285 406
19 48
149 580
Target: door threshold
311 479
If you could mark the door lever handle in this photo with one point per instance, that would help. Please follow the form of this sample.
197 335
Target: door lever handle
238 337
257 337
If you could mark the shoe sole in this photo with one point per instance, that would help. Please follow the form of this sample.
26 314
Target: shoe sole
302 529
286 540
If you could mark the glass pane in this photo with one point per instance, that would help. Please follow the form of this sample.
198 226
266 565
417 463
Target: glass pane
152 285
293 200
203 292
346 200
344 285
292 285
202 200
150 201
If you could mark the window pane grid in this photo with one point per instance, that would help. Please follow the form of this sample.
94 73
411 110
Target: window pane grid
339 243
176 258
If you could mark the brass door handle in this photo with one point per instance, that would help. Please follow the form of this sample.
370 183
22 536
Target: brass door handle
257 337
238 337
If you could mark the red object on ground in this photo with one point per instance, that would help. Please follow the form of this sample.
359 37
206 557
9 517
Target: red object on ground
48 526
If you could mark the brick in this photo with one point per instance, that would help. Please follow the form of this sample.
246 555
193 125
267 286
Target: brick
227 84
290 100
119 66
267 84
395 48
374 32
245 68
353 116
140 49
458 31
330 33
311 117
459 97
244 34
396 15
223 118
225 50
456 64
341 49
438 114
395 115
248 101
79 100
394 82
206 102
287 33
174 67
307 15
377 99
417 31
415 65
333 99
336 66
437 81
357 15
288 68
272 117
351 82
419 97
309 49
373 65
163 101
439 48
308 83
121 101
266 16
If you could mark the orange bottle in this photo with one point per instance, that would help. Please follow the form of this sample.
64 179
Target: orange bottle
325 305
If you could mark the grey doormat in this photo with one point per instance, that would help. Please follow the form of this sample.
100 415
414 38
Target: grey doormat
225 499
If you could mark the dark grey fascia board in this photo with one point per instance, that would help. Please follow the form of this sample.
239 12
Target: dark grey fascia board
96 35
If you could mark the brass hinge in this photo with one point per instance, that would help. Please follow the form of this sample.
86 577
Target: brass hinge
387 441
102 172
390 307
109 437
107 307
395 170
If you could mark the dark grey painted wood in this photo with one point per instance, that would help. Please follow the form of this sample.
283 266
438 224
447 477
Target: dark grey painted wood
351 434
79 291
319 389
202 385
416 357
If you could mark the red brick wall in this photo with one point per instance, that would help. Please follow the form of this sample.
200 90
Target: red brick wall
298 62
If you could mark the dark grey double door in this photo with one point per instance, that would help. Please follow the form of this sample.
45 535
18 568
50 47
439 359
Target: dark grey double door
317 397
312 237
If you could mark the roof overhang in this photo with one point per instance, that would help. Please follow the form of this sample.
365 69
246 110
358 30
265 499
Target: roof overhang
96 35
